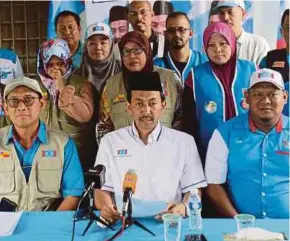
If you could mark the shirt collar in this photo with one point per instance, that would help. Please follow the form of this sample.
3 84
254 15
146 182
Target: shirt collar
279 126
154 135
241 39
41 134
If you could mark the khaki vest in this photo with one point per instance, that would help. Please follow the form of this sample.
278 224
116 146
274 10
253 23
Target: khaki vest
117 98
43 186
57 118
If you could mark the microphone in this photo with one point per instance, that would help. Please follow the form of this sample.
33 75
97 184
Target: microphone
129 187
96 176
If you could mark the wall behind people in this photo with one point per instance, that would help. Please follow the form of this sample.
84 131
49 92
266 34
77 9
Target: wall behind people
197 11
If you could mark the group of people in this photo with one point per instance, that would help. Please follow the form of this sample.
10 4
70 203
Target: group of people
180 118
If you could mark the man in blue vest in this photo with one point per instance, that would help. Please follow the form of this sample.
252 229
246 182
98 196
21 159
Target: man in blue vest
250 154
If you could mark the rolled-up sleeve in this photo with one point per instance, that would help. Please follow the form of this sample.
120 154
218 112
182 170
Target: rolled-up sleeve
103 158
192 175
216 165
72 178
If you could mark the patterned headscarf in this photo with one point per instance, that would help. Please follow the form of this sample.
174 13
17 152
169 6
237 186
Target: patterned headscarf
60 49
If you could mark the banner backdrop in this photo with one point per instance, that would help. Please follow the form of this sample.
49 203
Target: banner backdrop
197 11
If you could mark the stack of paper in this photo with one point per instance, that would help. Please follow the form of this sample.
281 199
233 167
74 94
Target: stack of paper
8 222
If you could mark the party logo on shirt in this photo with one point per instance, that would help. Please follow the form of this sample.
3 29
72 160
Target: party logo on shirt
49 153
122 152
210 107
5 154
278 64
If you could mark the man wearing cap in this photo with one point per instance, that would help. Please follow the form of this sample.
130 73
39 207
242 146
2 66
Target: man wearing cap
161 10
166 161
250 154
68 28
140 16
118 21
251 47
39 167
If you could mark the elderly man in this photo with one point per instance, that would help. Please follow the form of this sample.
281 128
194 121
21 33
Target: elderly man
249 46
140 17
39 167
162 175
250 153
68 28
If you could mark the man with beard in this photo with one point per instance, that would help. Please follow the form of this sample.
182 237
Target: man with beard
250 153
162 175
180 57
140 17
118 21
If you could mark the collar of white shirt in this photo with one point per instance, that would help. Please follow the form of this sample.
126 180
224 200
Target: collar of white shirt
154 135
241 39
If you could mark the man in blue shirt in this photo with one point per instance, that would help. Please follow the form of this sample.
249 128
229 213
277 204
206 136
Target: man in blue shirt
38 166
250 153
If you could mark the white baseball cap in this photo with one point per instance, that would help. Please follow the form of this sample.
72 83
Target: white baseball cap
231 4
268 76
98 28
22 81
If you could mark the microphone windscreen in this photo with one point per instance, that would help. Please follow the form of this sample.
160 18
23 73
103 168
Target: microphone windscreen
130 180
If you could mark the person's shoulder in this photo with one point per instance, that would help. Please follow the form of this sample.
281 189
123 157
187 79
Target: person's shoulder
8 55
176 136
116 77
255 38
56 134
245 62
159 62
238 122
116 135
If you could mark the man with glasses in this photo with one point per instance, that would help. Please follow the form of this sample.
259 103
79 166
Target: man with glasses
251 47
250 154
140 17
68 28
279 59
39 167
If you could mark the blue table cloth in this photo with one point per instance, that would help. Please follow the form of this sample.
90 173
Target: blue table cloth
54 226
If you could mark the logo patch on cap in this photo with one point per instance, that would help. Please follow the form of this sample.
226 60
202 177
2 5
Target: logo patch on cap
278 64
49 153
98 28
265 75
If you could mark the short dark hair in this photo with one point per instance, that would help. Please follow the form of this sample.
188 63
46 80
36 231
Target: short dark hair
176 15
129 96
285 14
66 14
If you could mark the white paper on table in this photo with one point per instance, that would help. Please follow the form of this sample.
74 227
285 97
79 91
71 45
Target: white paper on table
142 208
8 222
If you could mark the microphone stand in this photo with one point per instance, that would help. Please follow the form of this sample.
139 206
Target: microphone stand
93 217
129 221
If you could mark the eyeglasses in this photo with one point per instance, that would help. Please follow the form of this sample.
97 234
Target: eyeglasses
173 30
143 12
136 51
27 101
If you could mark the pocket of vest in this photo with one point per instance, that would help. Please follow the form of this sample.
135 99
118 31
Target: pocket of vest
49 174
7 177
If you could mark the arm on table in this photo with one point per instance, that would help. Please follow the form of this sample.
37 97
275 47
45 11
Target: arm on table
68 204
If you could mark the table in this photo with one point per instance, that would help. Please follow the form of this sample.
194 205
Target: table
54 226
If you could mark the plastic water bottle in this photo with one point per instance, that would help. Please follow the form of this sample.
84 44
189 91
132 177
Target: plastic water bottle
195 219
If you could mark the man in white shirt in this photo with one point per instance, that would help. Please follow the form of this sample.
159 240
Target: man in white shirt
251 47
166 161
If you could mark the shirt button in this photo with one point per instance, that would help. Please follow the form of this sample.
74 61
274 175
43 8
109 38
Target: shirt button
264 174
265 155
263 194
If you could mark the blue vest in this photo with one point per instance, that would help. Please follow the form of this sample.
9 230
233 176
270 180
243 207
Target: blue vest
195 58
209 96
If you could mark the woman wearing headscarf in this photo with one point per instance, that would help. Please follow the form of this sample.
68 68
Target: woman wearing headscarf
136 56
99 62
219 84
68 98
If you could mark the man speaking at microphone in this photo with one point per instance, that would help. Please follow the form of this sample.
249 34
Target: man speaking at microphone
166 161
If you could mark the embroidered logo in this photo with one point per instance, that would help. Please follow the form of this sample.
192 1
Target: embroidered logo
98 28
210 107
122 152
5 154
119 98
278 64
49 153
